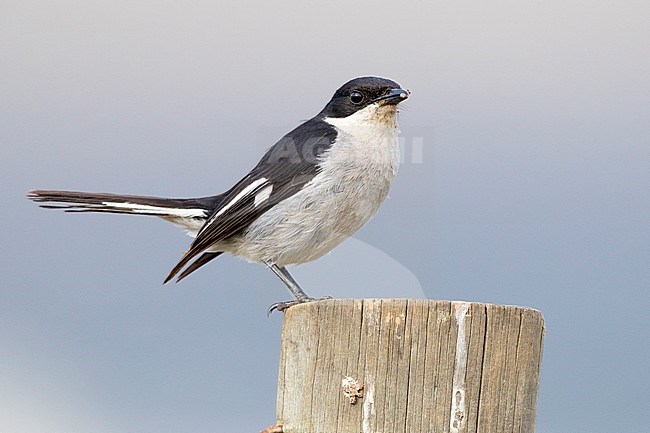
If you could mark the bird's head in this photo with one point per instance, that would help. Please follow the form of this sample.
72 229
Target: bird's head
379 95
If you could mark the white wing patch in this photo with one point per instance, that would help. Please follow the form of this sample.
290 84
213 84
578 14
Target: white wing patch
263 195
157 210
243 193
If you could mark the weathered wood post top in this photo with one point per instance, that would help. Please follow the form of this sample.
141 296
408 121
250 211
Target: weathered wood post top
393 366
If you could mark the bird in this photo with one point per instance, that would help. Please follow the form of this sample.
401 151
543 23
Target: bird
310 191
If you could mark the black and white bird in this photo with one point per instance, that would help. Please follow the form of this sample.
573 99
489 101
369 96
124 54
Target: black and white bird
313 189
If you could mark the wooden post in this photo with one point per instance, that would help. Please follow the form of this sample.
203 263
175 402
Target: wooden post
425 366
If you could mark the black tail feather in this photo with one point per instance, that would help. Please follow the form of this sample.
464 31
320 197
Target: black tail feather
204 259
75 201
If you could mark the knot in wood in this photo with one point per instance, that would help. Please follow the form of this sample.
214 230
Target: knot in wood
352 389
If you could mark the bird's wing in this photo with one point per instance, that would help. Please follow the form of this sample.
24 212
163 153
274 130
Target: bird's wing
283 171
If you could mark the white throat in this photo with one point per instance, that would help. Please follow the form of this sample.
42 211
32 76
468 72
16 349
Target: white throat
375 117
367 139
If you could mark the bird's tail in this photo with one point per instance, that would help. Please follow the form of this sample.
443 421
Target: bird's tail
168 208
188 213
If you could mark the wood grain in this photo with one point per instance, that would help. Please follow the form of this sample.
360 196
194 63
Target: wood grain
426 366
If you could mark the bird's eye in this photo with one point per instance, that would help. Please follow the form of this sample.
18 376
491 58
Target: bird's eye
356 97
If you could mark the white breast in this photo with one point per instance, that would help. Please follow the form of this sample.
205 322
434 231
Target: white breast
355 176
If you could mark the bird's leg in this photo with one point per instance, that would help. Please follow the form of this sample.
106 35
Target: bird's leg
288 281
292 285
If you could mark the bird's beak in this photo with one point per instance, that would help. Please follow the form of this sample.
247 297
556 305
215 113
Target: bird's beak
393 97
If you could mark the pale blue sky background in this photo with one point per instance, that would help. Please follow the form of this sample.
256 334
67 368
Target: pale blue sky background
533 189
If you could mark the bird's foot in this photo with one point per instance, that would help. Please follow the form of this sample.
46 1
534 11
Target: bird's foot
283 306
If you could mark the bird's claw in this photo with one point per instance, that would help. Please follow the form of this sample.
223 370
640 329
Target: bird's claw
283 306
